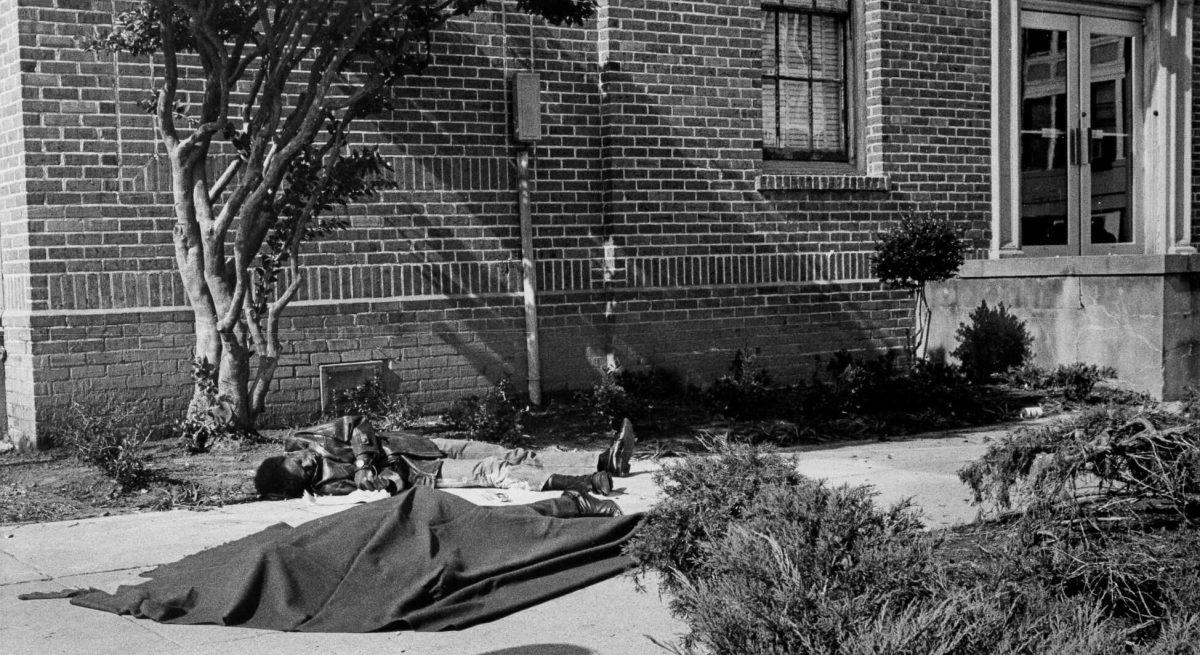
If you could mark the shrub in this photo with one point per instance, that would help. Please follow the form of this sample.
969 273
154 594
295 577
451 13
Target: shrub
994 342
1077 380
370 398
105 434
929 395
702 496
610 402
758 560
920 249
654 383
746 390
497 416
802 568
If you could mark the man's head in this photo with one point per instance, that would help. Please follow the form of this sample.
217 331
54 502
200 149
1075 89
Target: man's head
288 475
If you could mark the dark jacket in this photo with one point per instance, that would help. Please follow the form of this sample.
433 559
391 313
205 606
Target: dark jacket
349 444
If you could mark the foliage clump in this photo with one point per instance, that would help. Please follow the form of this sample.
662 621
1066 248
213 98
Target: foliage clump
609 401
1075 381
746 390
758 560
370 398
108 435
994 342
918 250
702 498
624 393
497 416
208 422
878 393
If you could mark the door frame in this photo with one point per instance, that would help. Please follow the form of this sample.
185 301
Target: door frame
1165 170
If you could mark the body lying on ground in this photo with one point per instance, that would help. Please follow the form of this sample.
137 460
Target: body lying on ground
347 455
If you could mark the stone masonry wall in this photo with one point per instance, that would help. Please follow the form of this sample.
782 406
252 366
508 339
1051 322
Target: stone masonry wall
659 239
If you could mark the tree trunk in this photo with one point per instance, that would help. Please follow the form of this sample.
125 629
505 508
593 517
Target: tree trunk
233 380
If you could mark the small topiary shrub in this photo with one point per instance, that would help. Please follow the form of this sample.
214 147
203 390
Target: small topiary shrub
919 250
994 342
497 416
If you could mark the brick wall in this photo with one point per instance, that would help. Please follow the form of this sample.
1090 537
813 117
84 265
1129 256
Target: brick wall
658 237
688 199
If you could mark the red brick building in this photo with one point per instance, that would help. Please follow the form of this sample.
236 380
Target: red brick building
710 176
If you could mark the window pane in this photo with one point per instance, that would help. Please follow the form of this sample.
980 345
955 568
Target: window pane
1043 155
827 48
793 36
1111 139
770 135
768 41
829 135
795 113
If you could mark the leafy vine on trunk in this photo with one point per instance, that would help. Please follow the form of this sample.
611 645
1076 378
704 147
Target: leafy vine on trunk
275 88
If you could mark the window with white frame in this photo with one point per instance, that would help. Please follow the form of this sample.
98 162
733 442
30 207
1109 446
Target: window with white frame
808 81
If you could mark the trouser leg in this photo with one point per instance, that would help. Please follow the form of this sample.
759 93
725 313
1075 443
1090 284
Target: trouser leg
492 472
554 460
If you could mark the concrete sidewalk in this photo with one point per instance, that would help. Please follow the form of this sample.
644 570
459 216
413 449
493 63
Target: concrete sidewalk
608 618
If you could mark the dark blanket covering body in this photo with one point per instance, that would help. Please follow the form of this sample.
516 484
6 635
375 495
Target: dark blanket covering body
422 560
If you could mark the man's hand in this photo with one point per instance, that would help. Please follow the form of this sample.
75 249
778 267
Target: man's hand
366 480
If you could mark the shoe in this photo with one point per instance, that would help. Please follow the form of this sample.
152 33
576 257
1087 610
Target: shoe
599 482
616 460
591 506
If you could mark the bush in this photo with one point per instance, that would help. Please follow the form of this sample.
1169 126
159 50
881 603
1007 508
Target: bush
994 342
387 411
654 383
919 250
610 402
702 496
497 416
929 395
106 435
801 570
1077 380
745 391
758 560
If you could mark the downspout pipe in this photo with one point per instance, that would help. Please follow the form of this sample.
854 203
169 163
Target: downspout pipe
533 355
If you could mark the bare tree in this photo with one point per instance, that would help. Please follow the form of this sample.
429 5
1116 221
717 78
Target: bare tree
280 84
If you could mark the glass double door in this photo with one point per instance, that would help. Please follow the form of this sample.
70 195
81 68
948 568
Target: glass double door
1078 116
